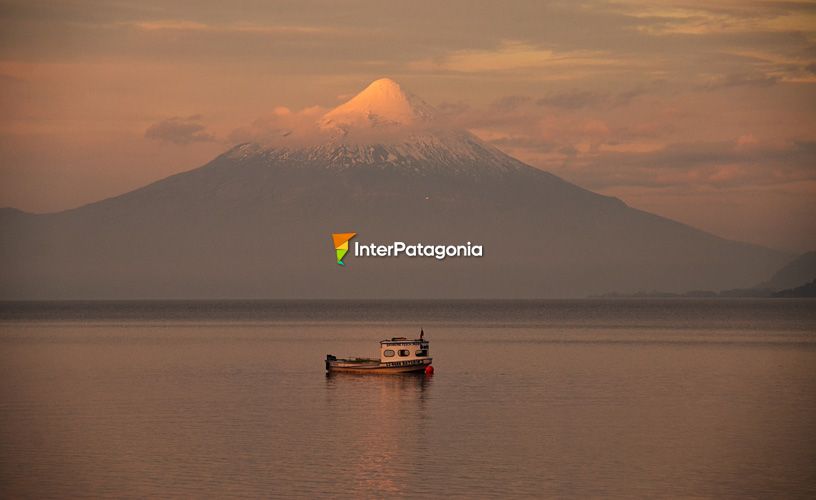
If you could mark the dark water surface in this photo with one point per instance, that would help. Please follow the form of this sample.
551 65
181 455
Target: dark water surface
617 398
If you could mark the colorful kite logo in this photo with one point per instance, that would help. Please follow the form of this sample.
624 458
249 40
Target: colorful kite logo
341 244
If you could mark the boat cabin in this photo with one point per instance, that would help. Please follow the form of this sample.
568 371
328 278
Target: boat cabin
400 349
398 355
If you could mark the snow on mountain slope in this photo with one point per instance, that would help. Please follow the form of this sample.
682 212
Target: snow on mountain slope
460 153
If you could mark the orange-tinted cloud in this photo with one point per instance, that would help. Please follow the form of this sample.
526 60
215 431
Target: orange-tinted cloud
180 130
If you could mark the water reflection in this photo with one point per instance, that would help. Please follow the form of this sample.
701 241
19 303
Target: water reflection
391 427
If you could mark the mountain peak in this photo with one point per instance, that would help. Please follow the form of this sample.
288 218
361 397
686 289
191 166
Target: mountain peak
382 85
384 103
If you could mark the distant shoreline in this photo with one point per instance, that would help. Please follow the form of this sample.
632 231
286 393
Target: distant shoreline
808 290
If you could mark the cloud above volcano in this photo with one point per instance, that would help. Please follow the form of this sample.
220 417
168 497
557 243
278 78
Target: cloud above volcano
180 130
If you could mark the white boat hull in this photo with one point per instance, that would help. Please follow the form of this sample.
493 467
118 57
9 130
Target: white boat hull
375 366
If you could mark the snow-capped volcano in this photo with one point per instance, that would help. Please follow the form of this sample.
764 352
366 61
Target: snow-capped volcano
256 222
384 126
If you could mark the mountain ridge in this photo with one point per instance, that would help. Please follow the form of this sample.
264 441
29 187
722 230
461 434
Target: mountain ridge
797 272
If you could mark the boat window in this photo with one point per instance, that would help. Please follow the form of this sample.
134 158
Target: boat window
404 352
421 353
388 353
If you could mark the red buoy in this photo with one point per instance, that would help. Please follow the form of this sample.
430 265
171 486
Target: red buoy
429 370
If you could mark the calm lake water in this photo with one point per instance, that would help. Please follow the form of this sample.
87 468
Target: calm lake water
617 398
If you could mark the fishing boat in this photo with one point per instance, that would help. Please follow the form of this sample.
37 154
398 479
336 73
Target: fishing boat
397 355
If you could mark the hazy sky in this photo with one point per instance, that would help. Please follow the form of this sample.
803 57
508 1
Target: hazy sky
701 111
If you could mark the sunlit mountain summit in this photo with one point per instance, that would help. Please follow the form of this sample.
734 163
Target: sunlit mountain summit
253 223
383 103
